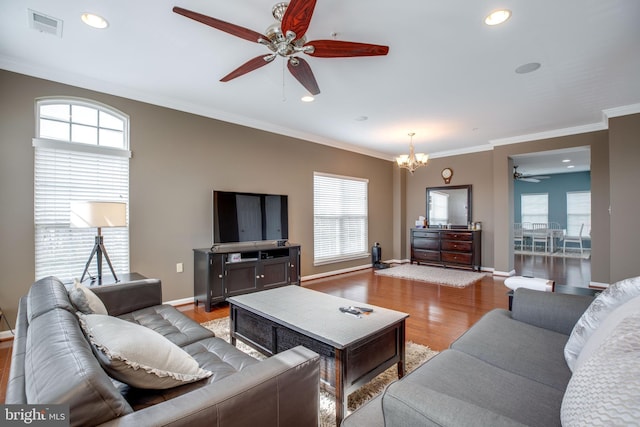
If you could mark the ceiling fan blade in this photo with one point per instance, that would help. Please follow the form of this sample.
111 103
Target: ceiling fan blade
302 72
341 49
529 179
227 27
297 17
250 65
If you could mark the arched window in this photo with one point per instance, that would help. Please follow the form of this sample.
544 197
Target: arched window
81 153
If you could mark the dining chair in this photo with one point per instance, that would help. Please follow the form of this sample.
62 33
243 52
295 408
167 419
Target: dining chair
539 234
518 236
573 239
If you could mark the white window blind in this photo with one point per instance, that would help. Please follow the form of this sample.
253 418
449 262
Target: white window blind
535 208
66 172
340 211
578 213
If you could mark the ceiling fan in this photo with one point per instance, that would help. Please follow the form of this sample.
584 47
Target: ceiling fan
528 178
286 38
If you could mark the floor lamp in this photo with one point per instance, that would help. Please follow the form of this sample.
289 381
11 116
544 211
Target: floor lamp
98 214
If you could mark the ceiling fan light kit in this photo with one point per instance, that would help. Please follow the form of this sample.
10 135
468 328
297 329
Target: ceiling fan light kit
286 38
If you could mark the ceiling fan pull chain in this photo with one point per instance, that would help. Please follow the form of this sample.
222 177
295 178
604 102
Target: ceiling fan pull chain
284 97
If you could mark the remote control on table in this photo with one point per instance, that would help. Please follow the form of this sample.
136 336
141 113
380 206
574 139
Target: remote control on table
350 310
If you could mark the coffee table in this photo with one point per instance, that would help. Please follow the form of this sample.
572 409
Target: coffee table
353 350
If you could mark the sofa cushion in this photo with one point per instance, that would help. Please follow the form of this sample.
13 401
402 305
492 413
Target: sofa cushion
456 389
139 356
607 327
213 354
170 323
46 294
84 300
526 350
61 368
605 390
612 297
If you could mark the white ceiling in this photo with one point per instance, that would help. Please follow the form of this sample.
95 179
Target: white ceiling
448 77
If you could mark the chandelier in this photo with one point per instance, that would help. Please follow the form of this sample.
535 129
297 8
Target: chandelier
412 161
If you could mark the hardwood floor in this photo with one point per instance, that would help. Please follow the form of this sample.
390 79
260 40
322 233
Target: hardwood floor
438 314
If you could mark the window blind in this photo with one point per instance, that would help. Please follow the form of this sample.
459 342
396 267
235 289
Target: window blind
535 208
340 212
64 175
578 212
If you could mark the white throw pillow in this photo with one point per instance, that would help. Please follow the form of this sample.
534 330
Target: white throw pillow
139 356
605 390
84 300
604 331
612 297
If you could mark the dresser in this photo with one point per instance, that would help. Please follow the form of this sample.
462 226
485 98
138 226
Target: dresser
447 248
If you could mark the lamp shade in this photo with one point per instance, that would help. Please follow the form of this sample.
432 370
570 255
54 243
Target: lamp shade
98 214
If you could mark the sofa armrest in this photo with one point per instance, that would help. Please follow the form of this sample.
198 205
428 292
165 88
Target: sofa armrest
120 298
284 387
549 310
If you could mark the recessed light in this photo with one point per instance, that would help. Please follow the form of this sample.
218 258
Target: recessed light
566 161
307 98
94 21
497 17
528 68
570 167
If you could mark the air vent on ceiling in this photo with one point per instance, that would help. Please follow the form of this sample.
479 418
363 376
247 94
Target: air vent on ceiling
45 24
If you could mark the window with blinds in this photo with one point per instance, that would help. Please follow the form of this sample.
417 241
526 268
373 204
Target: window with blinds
578 213
80 154
535 208
340 218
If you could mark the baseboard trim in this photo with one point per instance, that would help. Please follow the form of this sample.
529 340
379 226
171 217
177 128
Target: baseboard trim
7 335
334 272
504 273
182 301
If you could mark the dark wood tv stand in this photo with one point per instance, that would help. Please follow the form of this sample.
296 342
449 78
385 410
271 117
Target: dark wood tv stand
228 270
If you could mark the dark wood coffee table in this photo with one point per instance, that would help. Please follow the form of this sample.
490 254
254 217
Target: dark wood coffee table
353 350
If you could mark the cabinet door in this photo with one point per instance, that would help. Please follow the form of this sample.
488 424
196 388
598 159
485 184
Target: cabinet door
216 275
294 266
241 277
275 272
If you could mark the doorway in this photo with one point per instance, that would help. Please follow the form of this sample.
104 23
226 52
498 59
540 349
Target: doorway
552 215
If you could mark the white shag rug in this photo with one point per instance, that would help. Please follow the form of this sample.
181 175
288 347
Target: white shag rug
437 275
415 355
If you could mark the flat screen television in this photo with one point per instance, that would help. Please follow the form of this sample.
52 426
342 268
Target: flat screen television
249 217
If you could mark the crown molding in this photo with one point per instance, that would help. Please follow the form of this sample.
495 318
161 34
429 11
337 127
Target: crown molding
625 110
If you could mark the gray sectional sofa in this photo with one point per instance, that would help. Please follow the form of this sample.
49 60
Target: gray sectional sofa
510 369
53 362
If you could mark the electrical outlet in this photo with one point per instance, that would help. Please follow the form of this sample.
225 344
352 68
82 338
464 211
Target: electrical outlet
179 267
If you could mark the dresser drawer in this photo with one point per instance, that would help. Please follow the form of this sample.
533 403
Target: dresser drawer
424 243
456 258
425 233
457 235
422 255
456 246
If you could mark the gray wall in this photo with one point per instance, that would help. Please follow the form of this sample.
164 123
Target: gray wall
178 158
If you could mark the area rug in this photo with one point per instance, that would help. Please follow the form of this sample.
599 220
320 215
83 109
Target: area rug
438 275
415 355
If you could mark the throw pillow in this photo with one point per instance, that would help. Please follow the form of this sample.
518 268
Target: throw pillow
605 330
612 297
605 390
139 356
84 300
